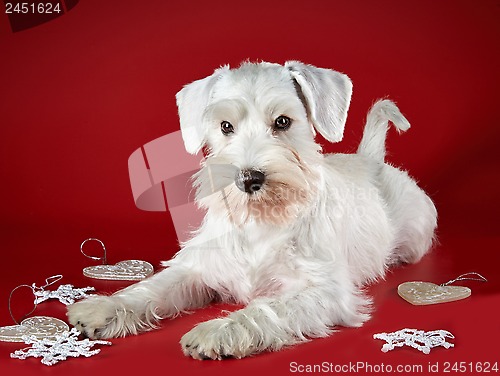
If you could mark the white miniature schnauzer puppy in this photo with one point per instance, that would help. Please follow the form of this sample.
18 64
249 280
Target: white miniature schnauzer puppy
291 233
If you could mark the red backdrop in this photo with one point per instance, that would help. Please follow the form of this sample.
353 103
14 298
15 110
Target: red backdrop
81 92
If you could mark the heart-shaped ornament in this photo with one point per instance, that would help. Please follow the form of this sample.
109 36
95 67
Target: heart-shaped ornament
38 326
423 293
129 270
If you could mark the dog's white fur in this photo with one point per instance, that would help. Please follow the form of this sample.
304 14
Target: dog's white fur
298 251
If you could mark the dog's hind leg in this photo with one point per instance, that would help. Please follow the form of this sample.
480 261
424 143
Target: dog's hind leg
411 212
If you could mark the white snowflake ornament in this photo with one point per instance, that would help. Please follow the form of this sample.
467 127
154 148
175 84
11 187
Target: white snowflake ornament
52 351
67 294
418 339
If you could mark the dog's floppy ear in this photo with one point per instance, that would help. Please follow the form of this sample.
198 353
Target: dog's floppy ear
192 100
327 95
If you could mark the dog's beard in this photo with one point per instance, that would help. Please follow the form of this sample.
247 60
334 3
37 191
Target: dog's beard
287 190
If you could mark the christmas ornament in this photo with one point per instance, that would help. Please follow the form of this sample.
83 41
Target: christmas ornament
129 270
418 339
38 326
423 293
67 294
60 348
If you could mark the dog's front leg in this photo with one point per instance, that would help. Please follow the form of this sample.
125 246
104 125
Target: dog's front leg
269 323
138 307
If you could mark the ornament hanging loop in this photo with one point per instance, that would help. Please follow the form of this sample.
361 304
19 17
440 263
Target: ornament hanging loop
466 277
10 303
103 258
48 282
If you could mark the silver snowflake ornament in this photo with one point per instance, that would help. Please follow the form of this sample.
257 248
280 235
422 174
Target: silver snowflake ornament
55 350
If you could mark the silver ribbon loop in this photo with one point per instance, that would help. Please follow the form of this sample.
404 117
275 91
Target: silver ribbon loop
103 258
466 277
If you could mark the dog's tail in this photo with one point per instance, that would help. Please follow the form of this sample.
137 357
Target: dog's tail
372 144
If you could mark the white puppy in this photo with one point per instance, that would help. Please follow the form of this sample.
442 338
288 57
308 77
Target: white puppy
290 232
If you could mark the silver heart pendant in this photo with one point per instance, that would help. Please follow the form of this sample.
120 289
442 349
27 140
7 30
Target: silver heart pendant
423 293
38 326
129 270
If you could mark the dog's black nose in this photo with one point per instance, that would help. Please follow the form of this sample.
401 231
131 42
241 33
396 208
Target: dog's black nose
250 181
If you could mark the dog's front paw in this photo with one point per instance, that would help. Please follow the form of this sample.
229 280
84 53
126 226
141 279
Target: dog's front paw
96 317
218 339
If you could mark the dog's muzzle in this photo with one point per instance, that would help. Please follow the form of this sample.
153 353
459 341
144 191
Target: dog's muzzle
250 181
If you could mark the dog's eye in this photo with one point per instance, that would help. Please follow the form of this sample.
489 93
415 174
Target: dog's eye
282 123
226 127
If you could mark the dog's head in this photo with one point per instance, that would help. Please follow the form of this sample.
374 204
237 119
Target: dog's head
257 125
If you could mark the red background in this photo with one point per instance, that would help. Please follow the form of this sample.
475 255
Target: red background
80 93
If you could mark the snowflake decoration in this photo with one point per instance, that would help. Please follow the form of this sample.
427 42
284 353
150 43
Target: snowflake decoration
418 339
52 351
66 294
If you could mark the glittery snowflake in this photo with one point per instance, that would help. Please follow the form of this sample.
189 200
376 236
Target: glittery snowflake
66 294
52 351
418 339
